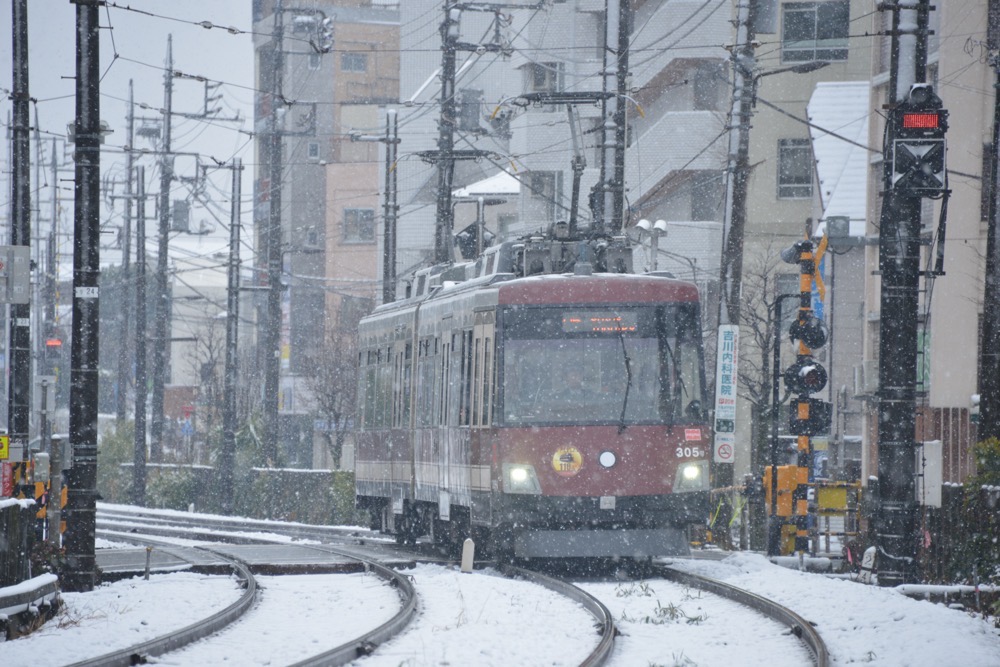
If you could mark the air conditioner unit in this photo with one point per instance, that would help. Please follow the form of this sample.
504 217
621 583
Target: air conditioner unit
871 375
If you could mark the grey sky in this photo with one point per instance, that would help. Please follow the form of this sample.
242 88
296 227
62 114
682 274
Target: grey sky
133 46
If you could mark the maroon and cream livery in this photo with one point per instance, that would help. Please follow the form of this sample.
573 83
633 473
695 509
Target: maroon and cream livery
549 415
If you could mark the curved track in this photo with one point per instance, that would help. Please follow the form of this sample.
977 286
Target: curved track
340 655
797 625
230 531
607 631
138 653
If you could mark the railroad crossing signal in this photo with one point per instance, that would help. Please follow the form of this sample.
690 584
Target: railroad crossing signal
918 148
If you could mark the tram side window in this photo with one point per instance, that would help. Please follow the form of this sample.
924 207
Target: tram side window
465 398
443 376
406 385
476 381
370 391
489 379
425 383
383 395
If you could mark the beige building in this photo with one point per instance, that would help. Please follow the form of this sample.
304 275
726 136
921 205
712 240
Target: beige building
787 202
340 61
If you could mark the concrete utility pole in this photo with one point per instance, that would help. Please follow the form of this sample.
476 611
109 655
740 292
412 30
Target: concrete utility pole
619 25
124 310
81 503
19 397
161 305
139 456
445 156
989 348
734 221
272 244
738 167
899 265
390 207
227 459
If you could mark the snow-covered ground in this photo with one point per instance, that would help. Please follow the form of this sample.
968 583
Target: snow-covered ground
484 619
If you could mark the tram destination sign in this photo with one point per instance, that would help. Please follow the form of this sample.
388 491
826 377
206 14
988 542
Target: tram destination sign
593 321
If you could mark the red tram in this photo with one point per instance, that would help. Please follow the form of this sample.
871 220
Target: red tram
545 413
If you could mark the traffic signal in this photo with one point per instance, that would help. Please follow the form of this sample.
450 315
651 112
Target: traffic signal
809 416
809 329
805 376
918 148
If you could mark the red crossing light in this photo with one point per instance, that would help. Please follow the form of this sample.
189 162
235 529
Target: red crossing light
921 121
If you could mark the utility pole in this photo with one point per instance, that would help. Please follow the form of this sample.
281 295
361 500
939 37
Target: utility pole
617 104
390 207
272 244
989 376
81 503
227 460
446 135
124 356
139 456
19 398
161 306
734 221
914 145
446 155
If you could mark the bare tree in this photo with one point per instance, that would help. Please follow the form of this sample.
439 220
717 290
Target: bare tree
333 386
759 297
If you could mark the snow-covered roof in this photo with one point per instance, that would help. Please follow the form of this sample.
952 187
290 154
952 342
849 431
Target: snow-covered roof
842 107
498 184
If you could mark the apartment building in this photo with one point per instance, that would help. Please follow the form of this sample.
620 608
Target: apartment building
340 61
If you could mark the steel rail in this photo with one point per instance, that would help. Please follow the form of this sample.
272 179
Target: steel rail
359 646
605 622
367 643
797 625
137 653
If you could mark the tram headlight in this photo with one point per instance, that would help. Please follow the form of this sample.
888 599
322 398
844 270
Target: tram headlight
520 478
691 476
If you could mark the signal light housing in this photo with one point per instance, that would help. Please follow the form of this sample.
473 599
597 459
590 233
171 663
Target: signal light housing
809 416
811 330
805 376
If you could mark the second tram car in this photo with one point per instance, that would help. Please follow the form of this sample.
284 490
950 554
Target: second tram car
550 415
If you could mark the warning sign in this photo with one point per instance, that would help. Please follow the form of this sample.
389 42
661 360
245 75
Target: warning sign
725 449
4 447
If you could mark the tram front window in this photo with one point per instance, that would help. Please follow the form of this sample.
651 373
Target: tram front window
583 366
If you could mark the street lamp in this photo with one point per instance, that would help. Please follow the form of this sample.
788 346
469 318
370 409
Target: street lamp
655 230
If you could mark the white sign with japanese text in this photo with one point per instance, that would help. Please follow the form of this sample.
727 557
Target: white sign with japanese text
725 393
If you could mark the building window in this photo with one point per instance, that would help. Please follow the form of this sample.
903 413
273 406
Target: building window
795 169
354 62
706 196
315 60
359 225
313 150
543 78
815 30
546 189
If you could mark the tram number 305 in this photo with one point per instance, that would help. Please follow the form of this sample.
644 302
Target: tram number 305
688 452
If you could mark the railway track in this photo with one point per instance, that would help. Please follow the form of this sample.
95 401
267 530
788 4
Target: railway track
138 526
359 544
797 625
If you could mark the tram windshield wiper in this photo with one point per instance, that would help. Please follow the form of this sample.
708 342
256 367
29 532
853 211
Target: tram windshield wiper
628 382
